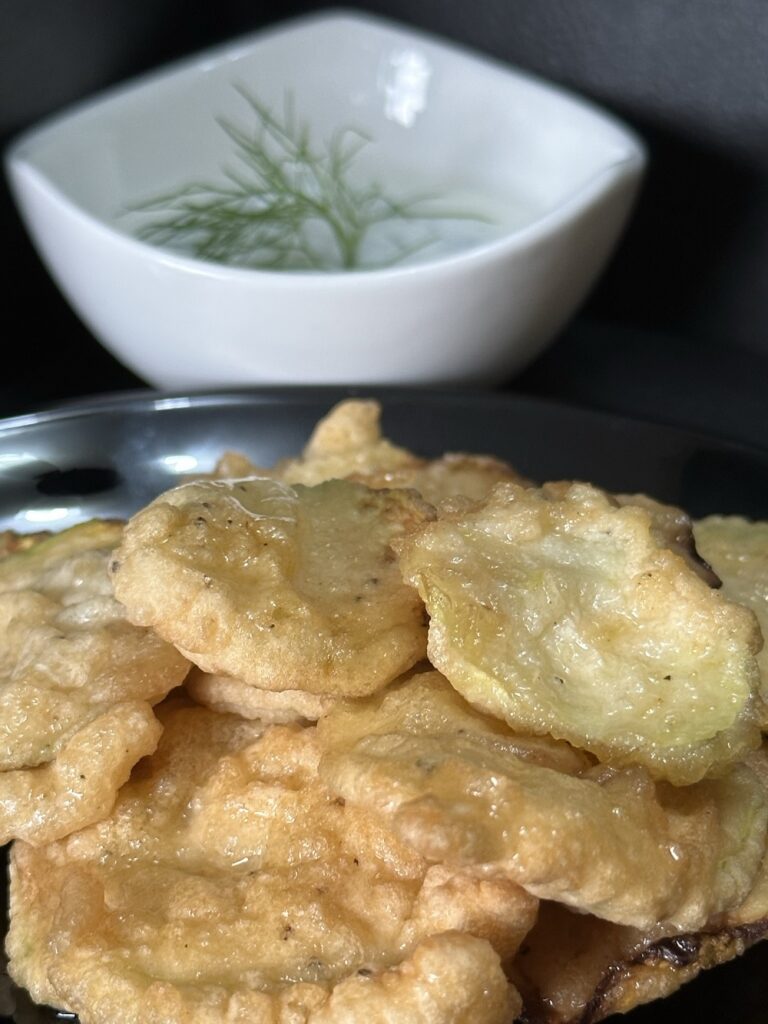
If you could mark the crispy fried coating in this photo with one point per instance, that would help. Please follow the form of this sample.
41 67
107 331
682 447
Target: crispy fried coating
737 549
564 613
273 707
11 542
464 790
79 785
577 969
672 528
454 475
477 899
77 682
346 441
234 466
348 444
280 588
229 885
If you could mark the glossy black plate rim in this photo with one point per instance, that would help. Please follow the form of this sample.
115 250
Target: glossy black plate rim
144 400
108 434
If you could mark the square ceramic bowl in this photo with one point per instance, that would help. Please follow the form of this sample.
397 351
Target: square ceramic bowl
532 188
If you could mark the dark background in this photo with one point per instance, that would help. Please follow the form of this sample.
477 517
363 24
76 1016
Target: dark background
677 330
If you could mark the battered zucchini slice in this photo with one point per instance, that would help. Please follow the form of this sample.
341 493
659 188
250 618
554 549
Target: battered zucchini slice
348 444
281 588
77 684
737 550
563 612
464 790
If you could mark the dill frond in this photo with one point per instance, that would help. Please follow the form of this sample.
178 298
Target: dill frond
285 203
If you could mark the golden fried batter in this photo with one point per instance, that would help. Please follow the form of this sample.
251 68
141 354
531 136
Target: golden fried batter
228 885
79 785
384 866
348 444
577 969
671 528
563 613
454 475
280 588
464 790
273 707
11 542
232 466
348 440
737 549
77 682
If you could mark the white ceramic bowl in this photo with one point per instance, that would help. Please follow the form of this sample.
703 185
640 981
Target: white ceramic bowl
559 174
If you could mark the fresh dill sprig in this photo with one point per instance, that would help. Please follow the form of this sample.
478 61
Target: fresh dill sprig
287 204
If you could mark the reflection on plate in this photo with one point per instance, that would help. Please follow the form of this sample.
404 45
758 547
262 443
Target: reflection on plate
110 456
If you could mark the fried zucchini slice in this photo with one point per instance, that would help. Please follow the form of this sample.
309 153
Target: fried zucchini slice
348 440
229 886
280 588
672 528
737 550
11 542
77 682
563 612
577 969
454 475
464 790
273 707
348 444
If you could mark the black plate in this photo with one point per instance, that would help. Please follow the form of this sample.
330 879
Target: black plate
110 456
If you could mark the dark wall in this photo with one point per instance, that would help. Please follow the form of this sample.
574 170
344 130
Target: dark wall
690 75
